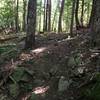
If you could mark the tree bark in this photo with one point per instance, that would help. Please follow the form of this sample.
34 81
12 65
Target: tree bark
44 18
49 15
16 17
72 18
60 16
88 13
24 15
76 15
92 14
82 13
31 24
55 15
95 23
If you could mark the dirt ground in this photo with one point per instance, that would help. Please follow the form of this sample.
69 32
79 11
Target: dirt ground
58 68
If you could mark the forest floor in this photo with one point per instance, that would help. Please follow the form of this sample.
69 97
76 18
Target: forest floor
58 68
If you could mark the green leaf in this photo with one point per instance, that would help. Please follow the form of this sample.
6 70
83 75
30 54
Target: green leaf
25 77
14 89
33 97
71 61
18 74
26 86
78 60
30 72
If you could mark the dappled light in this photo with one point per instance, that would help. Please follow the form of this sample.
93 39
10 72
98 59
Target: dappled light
40 90
38 50
49 49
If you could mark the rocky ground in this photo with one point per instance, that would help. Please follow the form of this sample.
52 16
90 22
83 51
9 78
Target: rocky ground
58 68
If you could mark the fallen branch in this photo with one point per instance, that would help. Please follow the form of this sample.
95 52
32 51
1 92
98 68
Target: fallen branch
7 39
9 69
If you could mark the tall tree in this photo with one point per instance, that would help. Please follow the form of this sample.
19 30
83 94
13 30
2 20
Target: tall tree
55 16
48 16
31 24
24 14
88 12
92 14
72 17
44 17
76 15
40 15
95 24
17 17
60 16
82 12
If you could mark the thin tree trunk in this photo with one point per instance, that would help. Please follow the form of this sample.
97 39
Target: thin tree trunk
88 13
24 15
16 17
40 23
54 19
44 19
82 13
13 7
40 16
72 18
60 16
31 24
92 12
48 16
40 13
67 21
55 15
76 15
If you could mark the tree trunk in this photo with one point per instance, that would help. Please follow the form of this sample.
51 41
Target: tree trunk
88 13
60 16
82 13
76 15
40 16
44 18
49 15
92 14
16 17
95 24
40 23
13 7
72 18
31 24
54 19
55 15
24 15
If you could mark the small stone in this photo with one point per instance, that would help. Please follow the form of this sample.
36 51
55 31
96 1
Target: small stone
63 84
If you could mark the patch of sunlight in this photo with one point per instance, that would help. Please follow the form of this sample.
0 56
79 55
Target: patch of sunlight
69 37
40 90
94 55
38 50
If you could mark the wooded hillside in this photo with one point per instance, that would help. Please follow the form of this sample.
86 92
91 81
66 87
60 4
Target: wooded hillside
49 49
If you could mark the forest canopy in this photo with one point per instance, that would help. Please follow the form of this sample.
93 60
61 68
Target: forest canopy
10 9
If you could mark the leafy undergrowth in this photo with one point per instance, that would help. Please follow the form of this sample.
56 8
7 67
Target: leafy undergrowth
91 91
5 48
60 69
